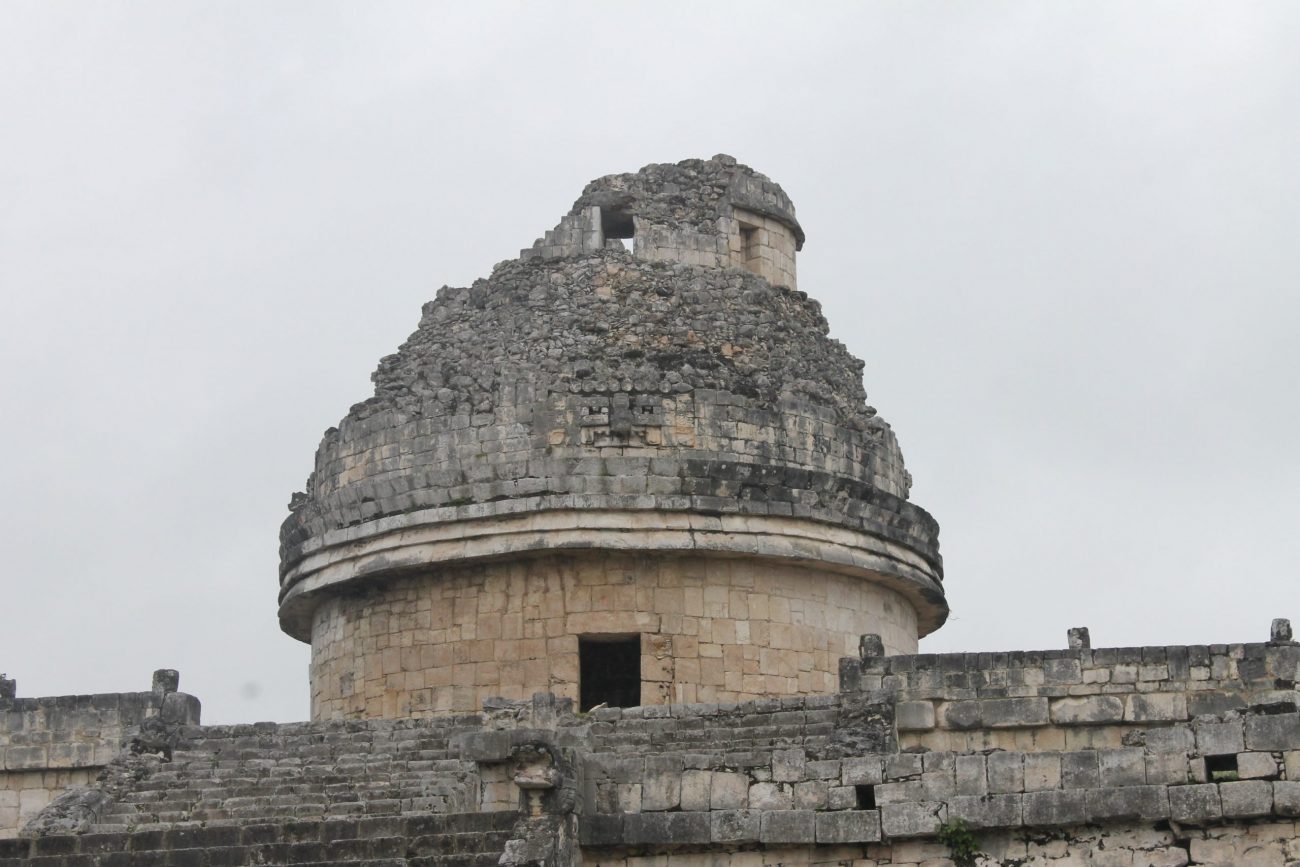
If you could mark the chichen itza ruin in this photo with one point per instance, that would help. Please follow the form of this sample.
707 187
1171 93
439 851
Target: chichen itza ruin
618 568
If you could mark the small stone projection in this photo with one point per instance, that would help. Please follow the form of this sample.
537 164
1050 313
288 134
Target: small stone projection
617 567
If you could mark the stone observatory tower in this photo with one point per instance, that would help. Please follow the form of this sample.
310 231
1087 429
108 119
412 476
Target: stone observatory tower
629 467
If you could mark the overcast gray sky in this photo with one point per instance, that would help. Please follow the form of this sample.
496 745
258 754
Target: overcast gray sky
1065 238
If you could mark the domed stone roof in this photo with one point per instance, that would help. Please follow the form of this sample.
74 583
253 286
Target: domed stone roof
675 395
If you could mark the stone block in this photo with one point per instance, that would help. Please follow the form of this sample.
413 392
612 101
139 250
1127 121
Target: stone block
728 790
1256 766
661 788
1155 707
1079 770
1246 798
900 793
666 829
1123 767
1042 771
788 826
788 765
1273 732
734 826
850 826
913 716
862 772
601 829
1220 739
1014 712
696 787
1170 738
1054 809
1167 769
842 798
1087 710
811 795
986 811
970 776
996 713
1214 702
1286 798
769 796
913 820
1195 805
902 766
1006 772
1127 804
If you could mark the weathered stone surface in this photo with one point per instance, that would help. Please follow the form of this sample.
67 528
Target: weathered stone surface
913 820
1220 738
1273 732
851 826
1054 809
1087 710
986 811
1122 767
1127 804
734 826
1286 797
788 826
1195 805
1256 766
914 715
1246 798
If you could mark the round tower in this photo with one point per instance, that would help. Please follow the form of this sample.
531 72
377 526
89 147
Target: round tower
629 467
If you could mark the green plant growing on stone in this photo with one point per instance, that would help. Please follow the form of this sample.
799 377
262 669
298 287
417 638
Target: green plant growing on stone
963 848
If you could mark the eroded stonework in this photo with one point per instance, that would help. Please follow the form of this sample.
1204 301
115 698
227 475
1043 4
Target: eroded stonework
676 398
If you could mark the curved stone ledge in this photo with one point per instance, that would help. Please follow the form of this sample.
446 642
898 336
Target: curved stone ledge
401 544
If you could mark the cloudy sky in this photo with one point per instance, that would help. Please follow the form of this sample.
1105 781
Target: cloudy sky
1064 237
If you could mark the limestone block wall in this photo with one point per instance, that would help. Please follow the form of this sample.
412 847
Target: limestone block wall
50 744
712 629
1071 699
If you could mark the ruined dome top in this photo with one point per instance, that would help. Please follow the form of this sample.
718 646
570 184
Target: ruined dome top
693 193
587 387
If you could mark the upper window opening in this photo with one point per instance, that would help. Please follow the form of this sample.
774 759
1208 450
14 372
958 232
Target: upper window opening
609 671
616 223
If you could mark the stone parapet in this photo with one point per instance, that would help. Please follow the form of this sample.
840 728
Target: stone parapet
53 743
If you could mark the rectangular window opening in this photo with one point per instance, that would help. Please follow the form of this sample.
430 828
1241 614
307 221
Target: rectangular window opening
616 224
609 671
749 243
1221 768
866 796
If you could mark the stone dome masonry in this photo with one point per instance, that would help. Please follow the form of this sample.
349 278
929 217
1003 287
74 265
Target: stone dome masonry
650 445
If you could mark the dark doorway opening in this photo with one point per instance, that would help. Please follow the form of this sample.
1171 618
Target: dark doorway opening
609 671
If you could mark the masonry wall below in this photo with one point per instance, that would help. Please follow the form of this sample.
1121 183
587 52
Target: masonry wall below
712 629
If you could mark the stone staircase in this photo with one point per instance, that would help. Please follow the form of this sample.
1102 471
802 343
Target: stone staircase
438 840
265 772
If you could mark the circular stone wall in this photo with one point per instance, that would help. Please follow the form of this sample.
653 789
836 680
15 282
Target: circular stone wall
711 628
